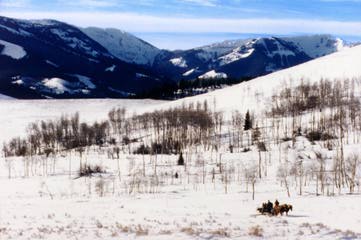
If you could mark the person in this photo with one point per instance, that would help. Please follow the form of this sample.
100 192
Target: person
276 209
269 206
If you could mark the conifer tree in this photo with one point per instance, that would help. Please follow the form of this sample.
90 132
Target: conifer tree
248 122
181 160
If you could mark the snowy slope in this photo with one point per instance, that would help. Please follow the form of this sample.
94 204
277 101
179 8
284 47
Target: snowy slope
12 50
123 45
255 95
4 97
213 74
24 112
318 45
222 48
247 58
32 51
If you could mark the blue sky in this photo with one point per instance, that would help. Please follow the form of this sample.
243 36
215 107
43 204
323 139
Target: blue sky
188 23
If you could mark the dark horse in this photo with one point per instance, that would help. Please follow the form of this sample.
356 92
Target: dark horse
285 208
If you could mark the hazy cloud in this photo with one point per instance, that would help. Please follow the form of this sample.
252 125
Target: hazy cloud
14 3
91 3
208 3
146 23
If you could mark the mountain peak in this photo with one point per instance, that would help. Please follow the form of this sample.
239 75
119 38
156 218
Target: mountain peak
123 45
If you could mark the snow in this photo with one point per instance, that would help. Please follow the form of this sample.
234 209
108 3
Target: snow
12 50
123 45
111 68
255 95
217 50
236 55
229 51
61 86
141 75
52 64
42 22
58 85
20 32
213 74
50 204
4 97
57 206
281 50
85 80
179 62
318 45
18 82
74 42
189 72
24 112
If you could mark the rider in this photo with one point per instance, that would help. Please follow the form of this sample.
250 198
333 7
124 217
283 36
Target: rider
276 208
269 206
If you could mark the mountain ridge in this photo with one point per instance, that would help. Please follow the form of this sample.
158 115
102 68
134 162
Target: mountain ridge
254 95
51 59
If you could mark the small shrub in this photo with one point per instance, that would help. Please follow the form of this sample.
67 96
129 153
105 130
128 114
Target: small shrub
189 231
142 149
318 135
256 231
222 232
286 139
262 147
99 224
139 231
100 187
246 149
126 140
88 170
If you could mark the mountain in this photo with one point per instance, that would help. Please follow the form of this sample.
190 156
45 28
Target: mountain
52 59
255 95
123 45
47 58
245 58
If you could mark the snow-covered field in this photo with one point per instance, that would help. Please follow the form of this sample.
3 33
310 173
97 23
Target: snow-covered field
59 206
17 114
140 197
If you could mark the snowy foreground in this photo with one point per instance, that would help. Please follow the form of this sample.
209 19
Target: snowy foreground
178 214
56 205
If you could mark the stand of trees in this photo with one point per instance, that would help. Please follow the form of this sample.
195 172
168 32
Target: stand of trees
326 113
186 88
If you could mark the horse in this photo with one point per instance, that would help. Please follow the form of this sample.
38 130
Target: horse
285 208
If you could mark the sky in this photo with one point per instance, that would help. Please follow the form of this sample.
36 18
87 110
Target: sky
182 24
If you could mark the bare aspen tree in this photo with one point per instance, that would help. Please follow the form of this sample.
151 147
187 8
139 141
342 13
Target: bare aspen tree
283 174
352 166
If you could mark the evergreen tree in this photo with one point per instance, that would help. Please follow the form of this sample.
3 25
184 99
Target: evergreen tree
248 122
181 160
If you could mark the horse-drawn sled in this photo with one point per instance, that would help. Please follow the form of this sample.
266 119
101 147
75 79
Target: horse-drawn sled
275 209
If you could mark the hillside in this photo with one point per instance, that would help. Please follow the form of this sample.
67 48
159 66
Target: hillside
52 59
255 95
123 45
2 97
246 58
